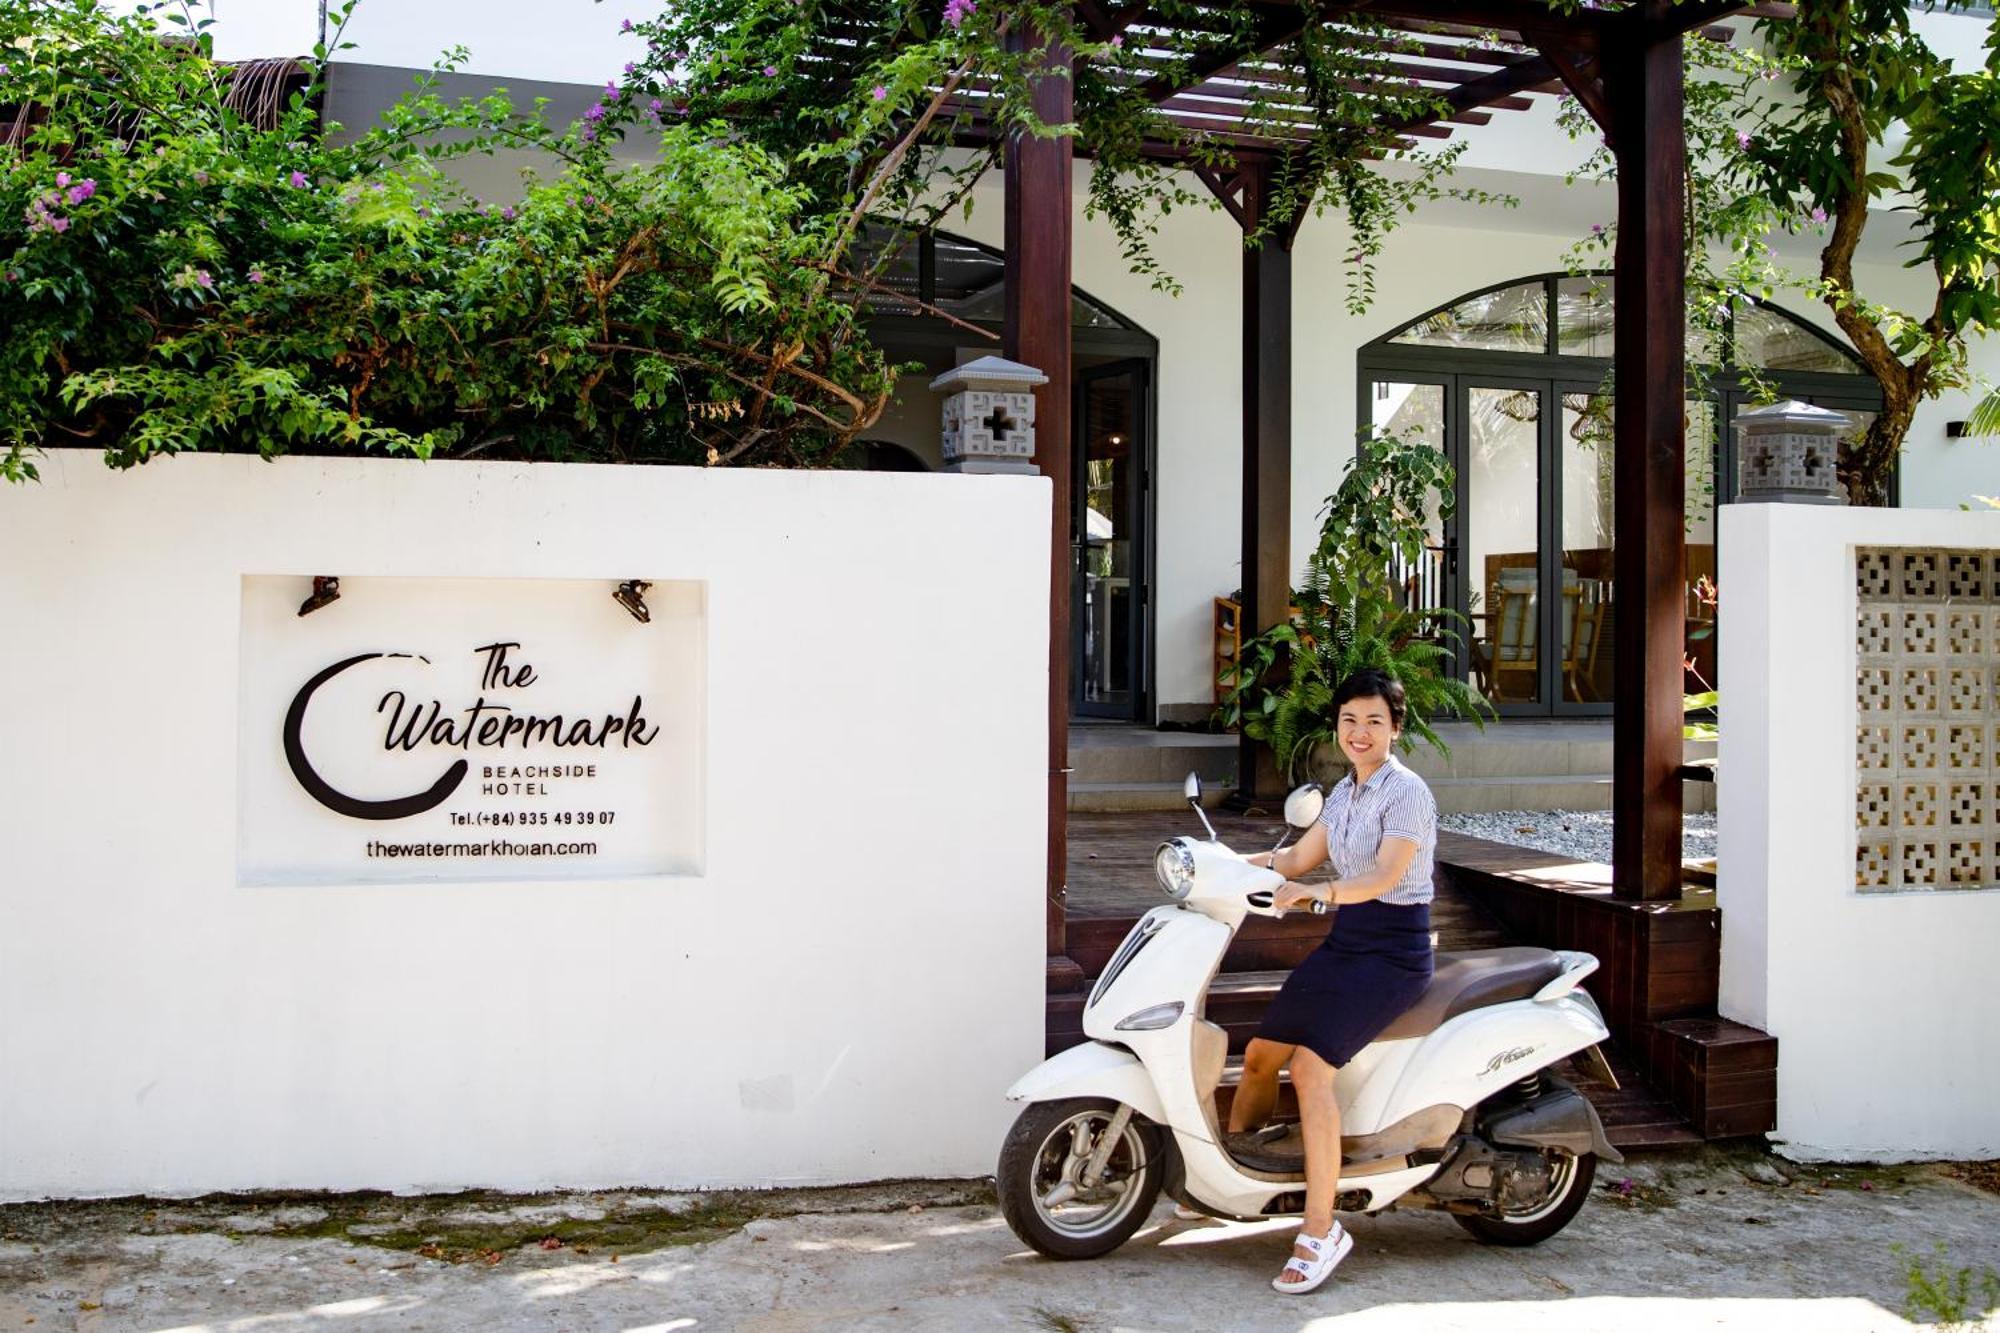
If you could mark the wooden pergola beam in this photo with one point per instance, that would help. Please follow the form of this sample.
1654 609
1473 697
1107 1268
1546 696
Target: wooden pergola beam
1640 87
1531 73
1273 28
1036 332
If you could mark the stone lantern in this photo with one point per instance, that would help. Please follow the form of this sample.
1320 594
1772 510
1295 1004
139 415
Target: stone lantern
1786 453
989 416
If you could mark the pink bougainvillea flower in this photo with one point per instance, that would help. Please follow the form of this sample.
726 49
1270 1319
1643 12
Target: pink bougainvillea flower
595 114
1819 215
255 275
59 225
1743 138
879 93
81 191
957 12
204 280
589 134
770 71
507 213
62 179
299 181
631 68
626 26
1118 40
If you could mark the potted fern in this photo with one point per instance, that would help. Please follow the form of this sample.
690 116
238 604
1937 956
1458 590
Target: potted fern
1351 615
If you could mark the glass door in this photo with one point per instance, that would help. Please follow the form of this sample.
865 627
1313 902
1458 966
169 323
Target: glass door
1506 569
1413 410
1585 524
1108 594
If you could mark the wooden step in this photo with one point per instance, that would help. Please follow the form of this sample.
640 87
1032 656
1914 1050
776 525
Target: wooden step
1658 986
1721 1075
1635 1117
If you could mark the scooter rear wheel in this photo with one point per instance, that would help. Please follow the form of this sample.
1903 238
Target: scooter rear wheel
1569 1189
1040 1184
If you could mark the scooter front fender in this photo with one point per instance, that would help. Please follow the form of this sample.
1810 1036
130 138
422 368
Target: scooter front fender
1094 1069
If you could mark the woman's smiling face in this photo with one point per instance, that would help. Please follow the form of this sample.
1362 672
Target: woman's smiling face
1367 733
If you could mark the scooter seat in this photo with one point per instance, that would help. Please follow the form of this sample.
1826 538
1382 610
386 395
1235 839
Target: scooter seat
1465 981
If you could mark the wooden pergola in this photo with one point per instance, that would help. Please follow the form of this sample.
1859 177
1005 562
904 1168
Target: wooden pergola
1625 68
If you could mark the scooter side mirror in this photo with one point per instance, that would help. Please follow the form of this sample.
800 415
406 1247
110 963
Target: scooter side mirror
1192 790
1303 806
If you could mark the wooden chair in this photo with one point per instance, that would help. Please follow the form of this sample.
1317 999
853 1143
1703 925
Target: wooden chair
1584 605
1513 670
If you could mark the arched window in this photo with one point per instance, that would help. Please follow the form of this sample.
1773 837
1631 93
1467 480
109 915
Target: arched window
1515 317
1511 383
1111 440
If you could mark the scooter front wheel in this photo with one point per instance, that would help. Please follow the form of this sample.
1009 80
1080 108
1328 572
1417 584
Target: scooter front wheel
1569 1189
1046 1193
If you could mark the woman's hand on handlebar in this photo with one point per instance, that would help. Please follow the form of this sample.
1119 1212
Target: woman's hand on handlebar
1293 894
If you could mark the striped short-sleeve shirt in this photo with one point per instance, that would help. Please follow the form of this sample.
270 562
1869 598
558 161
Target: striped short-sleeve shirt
1395 803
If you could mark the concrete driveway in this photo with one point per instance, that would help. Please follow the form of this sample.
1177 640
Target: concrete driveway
1701 1240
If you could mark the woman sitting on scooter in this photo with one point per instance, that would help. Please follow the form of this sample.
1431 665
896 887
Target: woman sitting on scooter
1379 830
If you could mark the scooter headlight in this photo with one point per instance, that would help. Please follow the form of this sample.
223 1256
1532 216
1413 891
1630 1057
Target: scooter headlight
1173 864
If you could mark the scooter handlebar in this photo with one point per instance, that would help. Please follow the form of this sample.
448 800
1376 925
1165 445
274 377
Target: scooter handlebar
1262 902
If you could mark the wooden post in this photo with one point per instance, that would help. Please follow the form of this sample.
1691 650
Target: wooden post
1643 87
1037 333
1267 453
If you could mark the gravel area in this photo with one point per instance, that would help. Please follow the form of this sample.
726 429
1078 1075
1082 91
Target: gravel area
1582 834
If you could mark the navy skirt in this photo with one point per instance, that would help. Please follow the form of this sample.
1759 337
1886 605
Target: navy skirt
1375 964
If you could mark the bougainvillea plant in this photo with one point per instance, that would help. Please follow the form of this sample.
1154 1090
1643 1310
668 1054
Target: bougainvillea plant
679 279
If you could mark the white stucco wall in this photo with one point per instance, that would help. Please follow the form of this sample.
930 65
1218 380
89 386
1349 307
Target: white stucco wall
873 857
1882 1003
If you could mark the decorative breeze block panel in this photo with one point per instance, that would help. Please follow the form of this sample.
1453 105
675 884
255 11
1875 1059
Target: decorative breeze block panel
1965 575
1964 634
1965 863
1873 863
1927 708
1874 803
1920 632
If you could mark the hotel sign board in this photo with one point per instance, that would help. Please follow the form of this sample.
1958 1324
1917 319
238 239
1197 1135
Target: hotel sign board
421 730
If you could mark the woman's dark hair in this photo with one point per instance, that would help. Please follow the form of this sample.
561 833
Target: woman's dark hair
1369 683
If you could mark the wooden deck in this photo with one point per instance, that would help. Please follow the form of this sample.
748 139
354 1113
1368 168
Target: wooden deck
1658 985
1685 1074
1111 872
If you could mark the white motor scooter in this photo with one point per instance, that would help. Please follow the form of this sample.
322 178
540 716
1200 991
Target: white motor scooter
1453 1107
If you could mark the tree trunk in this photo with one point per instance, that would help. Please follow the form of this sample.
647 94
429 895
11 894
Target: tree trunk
1865 464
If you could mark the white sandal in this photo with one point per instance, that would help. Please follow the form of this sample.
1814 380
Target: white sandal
1327 1252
